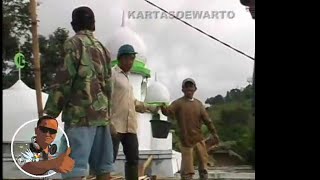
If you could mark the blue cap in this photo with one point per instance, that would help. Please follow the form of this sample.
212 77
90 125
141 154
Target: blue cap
126 49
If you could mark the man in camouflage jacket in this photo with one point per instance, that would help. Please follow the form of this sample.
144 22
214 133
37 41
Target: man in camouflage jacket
82 92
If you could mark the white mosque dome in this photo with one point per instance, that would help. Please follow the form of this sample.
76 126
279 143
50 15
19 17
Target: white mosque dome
19 107
157 93
124 35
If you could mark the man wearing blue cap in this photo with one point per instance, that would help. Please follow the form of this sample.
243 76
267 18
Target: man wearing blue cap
123 111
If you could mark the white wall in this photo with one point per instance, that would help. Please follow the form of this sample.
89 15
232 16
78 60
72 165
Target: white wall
146 141
144 127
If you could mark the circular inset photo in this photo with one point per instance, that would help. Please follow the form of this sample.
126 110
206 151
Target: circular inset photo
38 157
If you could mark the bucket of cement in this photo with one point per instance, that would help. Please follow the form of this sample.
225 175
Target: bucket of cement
160 129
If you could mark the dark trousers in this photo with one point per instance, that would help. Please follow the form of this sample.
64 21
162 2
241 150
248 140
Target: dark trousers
130 145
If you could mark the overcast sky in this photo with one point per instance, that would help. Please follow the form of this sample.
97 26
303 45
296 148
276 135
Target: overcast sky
174 50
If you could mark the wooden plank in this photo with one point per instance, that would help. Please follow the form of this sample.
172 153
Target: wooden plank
117 178
143 178
145 166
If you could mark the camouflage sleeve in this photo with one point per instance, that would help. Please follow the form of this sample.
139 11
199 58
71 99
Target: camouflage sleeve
108 79
65 74
112 81
109 75
207 121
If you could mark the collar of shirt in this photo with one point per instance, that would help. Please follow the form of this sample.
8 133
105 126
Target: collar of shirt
188 99
119 70
85 32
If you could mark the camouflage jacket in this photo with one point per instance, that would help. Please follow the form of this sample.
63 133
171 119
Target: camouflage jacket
82 87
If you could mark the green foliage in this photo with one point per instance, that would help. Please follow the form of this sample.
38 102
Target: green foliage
16 30
51 55
17 35
175 136
16 21
176 141
235 115
215 100
234 121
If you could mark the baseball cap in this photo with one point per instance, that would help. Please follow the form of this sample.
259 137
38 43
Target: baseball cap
188 80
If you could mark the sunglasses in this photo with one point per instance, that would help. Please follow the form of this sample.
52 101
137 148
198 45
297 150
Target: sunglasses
45 130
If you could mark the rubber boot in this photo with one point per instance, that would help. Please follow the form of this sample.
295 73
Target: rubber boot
203 174
131 172
187 177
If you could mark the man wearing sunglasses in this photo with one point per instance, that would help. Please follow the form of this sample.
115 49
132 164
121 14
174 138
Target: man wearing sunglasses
40 158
